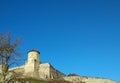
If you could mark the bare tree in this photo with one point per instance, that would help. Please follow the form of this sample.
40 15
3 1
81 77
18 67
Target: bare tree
8 54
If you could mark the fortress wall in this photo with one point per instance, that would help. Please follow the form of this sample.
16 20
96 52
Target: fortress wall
75 79
44 71
15 68
55 73
18 69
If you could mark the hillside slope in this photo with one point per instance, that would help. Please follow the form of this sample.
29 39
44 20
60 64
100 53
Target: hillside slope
85 79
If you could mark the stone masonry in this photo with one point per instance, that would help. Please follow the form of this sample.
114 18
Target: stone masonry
33 67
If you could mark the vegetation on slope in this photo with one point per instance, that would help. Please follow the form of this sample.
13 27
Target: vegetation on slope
32 80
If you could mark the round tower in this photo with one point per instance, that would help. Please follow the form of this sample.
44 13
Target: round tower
32 64
33 56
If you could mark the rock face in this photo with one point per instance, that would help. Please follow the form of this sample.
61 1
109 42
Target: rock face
81 79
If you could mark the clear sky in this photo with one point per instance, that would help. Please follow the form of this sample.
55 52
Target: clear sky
75 36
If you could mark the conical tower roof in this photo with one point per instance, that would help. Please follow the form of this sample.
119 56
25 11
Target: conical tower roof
34 51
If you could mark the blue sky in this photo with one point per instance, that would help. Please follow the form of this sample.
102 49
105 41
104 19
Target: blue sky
75 36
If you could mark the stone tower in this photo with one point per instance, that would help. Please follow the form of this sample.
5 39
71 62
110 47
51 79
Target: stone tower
32 64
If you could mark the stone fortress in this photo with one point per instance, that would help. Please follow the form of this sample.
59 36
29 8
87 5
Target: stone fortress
34 68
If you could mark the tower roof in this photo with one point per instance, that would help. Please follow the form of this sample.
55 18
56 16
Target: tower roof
34 51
